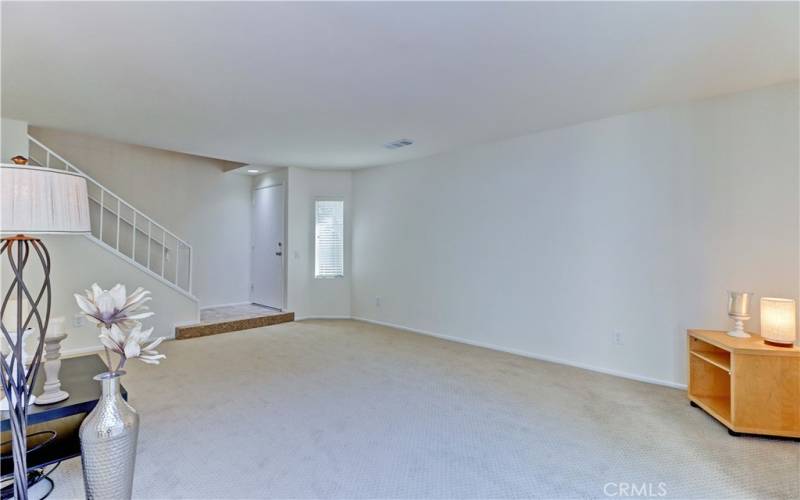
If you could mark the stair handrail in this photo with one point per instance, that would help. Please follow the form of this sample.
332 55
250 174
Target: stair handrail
69 166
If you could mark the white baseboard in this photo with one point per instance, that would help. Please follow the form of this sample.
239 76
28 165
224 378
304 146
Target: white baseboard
531 355
303 318
187 323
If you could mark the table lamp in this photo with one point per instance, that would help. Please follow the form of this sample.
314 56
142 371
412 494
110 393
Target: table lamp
778 321
33 201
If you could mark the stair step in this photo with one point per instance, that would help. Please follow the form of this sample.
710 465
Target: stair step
203 329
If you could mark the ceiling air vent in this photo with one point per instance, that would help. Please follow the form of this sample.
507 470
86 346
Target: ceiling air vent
400 143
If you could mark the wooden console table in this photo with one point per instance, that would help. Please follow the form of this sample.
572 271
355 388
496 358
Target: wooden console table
749 386
64 418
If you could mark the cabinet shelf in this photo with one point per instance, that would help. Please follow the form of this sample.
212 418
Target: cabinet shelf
720 360
717 406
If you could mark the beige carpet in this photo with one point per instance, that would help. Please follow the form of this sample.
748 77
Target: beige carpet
341 409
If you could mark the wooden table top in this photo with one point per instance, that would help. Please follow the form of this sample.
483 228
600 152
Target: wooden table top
753 345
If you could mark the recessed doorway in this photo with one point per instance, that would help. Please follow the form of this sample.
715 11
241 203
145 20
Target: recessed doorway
268 247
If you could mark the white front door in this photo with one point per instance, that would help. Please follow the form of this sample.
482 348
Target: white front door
268 247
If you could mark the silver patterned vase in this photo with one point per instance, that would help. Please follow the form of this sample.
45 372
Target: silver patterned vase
108 443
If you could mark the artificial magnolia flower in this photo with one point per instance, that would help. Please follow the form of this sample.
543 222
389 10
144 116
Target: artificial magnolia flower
131 344
113 307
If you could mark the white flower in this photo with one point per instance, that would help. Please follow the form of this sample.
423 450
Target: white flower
113 307
130 344
117 316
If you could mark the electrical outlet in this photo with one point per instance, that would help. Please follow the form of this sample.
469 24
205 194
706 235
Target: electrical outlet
377 301
618 338
79 321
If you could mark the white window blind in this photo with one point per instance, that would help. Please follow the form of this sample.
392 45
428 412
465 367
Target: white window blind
329 239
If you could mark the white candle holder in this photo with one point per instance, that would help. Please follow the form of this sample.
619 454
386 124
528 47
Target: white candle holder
738 327
52 365
26 356
3 398
739 312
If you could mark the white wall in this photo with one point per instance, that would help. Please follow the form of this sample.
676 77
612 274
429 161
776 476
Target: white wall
549 243
14 134
189 195
308 296
276 176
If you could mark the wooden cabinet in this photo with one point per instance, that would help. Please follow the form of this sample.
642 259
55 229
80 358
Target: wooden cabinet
749 386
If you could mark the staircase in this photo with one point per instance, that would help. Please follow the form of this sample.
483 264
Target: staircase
125 231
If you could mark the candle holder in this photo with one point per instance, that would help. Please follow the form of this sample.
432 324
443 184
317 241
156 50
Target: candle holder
52 365
26 364
26 356
739 312
4 399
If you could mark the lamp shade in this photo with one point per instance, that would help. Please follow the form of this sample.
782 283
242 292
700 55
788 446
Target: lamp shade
778 320
42 201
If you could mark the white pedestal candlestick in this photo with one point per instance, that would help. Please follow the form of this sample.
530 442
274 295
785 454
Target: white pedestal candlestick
26 356
52 365
738 328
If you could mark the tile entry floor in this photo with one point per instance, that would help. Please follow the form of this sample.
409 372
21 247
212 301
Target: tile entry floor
229 313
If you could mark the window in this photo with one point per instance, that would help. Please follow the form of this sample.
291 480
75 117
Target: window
329 239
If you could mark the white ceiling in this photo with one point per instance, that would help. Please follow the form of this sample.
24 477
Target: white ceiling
327 84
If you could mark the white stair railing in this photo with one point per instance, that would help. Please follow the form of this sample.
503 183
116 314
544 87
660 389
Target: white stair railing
123 229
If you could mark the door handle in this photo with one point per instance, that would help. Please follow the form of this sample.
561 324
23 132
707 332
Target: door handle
279 253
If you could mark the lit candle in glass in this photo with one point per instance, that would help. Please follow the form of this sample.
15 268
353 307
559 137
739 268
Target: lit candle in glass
739 303
56 327
739 312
